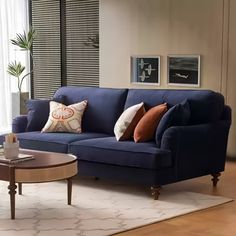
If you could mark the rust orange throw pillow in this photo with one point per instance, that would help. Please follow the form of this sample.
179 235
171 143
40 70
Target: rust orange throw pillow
146 127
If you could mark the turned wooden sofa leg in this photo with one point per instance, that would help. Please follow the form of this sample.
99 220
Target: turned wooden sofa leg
155 190
215 178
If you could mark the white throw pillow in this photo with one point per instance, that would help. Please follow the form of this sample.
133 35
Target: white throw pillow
125 125
64 118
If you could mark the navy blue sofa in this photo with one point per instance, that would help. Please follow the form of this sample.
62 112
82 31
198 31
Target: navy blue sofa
189 151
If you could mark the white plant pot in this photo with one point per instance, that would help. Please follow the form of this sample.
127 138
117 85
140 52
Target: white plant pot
19 103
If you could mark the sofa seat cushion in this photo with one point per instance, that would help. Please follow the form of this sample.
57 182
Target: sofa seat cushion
127 153
53 142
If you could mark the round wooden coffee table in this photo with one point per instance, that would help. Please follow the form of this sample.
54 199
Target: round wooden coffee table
45 167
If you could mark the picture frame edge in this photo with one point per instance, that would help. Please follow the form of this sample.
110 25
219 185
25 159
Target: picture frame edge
132 69
198 85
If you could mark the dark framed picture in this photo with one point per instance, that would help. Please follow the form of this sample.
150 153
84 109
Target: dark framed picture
184 70
145 70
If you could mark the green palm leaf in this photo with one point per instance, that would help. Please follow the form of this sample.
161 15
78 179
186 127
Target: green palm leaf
25 40
15 69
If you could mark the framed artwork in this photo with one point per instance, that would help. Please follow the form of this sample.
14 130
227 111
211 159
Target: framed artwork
145 70
184 70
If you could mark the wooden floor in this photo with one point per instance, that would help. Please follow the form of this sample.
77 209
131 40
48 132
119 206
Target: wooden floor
216 221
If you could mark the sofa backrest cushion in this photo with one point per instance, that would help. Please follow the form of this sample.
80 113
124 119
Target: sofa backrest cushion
104 106
205 105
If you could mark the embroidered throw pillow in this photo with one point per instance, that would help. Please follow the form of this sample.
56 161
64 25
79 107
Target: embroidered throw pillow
64 118
125 125
146 127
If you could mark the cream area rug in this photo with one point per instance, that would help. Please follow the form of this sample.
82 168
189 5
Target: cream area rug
98 208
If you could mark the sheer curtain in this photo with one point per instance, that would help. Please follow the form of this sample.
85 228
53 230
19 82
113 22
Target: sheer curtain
14 19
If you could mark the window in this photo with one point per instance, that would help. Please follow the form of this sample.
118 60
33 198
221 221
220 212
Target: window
63 52
82 57
46 48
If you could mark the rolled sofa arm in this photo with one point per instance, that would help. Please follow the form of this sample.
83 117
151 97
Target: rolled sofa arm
197 149
227 113
19 124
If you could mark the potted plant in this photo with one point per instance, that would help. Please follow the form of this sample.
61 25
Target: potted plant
24 42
